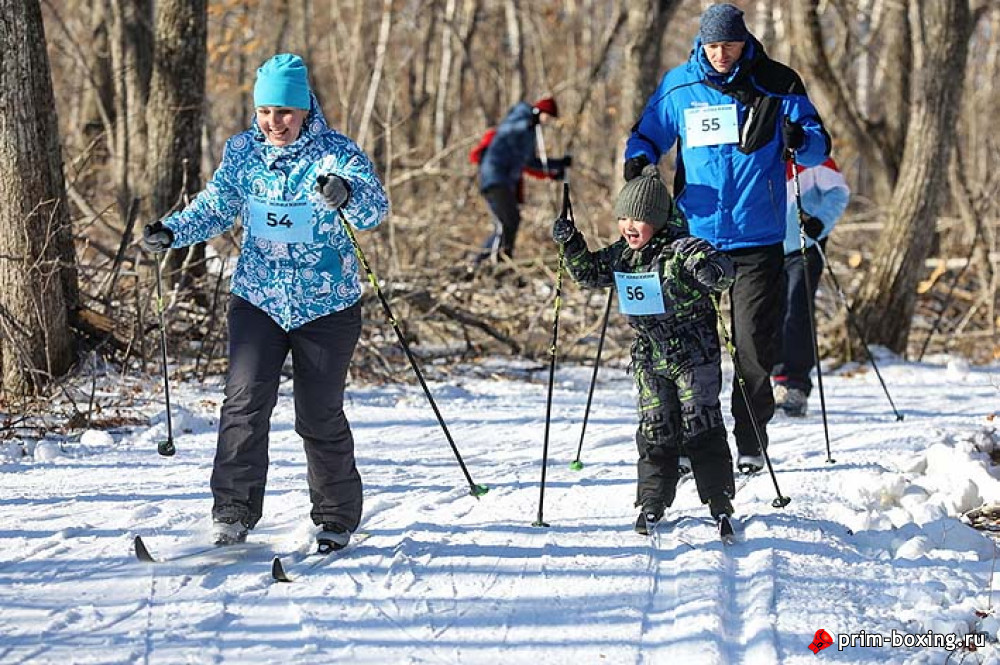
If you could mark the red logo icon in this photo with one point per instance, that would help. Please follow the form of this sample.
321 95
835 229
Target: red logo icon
821 640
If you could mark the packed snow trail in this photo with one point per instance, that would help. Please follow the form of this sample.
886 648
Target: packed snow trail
867 544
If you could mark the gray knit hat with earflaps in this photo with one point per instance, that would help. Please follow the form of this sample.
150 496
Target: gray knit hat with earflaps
646 199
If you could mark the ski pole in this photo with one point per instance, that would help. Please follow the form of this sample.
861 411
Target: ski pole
809 300
567 209
165 448
781 501
474 489
576 464
857 329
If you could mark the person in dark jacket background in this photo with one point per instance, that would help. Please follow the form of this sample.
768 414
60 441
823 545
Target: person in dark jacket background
663 277
513 151
735 114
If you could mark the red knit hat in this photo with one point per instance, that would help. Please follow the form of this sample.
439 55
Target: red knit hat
547 105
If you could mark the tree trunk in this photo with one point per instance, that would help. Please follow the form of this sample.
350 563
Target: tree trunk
646 25
37 263
939 42
175 111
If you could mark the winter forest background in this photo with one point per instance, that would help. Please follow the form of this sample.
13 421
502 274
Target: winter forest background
114 112
118 110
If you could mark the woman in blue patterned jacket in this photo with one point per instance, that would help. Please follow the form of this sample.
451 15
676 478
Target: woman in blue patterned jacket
290 179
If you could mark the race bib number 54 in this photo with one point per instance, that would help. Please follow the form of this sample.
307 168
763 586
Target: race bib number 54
639 293
281 221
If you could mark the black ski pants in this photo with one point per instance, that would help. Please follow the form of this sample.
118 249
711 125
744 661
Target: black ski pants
796 360
321 355
506 213
680 414
755 298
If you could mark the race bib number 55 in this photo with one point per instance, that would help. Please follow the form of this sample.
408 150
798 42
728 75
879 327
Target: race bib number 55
711 125
639 293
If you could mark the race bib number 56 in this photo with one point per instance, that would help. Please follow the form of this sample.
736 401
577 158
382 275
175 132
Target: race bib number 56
639 293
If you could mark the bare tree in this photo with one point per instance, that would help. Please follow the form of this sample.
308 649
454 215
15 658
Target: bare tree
646 23
37 265
939 34
175 111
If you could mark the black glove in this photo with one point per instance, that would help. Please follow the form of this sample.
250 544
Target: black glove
567 161
812 225
562 230
694 253
691 250
792 135
334 190
634 166
156 237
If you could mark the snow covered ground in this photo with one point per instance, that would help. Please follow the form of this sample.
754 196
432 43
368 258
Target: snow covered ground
869 545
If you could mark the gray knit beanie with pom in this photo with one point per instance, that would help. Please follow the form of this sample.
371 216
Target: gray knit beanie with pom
646 199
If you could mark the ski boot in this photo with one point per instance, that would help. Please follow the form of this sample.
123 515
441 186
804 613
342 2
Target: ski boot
332 537
228 532
649 516
749 464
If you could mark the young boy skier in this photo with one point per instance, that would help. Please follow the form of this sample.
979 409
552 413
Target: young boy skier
664 277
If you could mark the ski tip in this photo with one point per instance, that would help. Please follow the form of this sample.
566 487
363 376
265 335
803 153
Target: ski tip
141 552
726 530
278 571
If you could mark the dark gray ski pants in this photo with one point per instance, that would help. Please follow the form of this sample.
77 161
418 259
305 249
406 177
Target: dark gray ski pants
321 354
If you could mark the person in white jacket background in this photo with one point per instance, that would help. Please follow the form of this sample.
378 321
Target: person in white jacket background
825 195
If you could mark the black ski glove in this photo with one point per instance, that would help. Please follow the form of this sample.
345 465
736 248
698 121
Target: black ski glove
567 161
156 237
634 166
812 225
792 135
703 262
334 190
562 230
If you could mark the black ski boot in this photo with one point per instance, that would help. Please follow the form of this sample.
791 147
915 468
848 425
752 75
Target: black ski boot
649 516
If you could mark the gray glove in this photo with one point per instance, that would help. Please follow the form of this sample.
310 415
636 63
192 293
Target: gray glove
156 237
563 230
333 189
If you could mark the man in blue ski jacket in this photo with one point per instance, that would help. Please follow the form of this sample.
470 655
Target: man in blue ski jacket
735 115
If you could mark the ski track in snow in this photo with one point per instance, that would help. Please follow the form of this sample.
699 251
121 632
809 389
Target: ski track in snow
868 543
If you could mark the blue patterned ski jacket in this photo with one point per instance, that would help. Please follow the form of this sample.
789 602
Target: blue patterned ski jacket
293 282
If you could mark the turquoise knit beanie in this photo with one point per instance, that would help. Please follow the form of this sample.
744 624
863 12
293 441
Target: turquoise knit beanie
282 81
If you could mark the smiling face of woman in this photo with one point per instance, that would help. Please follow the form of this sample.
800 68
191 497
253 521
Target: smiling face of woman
281 125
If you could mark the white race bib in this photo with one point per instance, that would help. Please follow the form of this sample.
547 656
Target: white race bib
639 293
711 125
281 221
